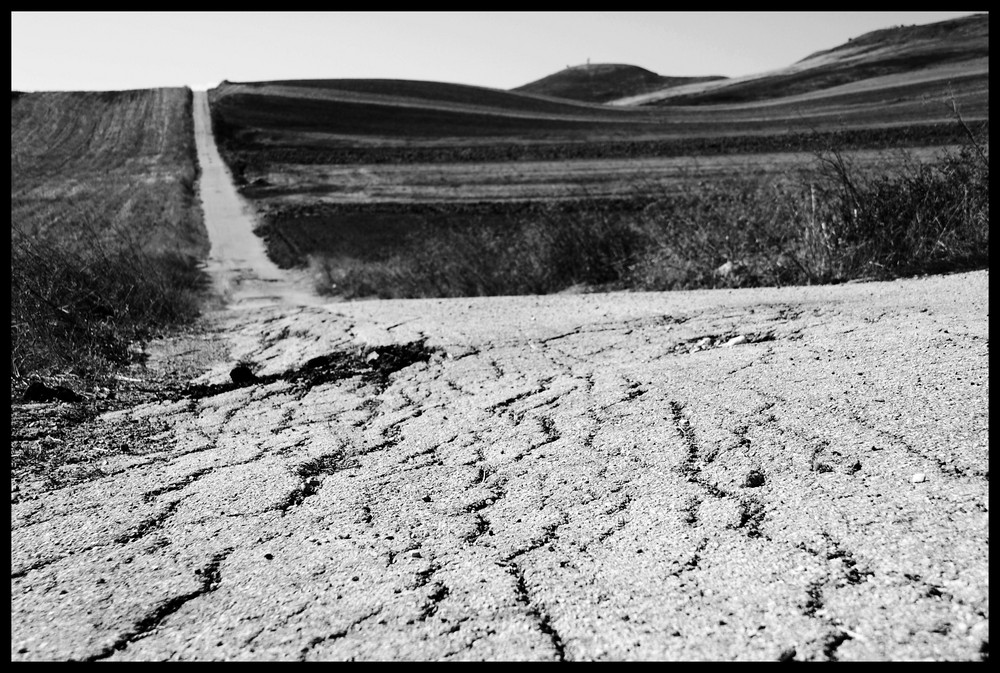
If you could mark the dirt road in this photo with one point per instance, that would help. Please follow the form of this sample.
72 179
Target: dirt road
243 273
797 473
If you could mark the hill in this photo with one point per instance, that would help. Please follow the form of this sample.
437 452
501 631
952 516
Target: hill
950 51
960 38
603 82
108 160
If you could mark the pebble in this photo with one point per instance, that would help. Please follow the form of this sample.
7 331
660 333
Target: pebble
918 478
754 479
242 375
737 340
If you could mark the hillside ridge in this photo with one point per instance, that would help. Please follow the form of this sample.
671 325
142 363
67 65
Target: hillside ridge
887 51
604 82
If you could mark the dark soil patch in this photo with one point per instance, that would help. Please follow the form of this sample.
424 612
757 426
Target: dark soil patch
39 392
373 365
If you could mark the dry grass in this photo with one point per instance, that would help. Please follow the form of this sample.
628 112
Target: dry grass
842 223
110 161
78 310
106 229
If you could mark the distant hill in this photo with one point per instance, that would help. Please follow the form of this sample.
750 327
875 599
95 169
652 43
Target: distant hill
899 50
899 83
417 92
954 39
603 82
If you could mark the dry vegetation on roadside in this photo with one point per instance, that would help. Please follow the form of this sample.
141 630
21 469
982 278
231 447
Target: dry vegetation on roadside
106 228
846 223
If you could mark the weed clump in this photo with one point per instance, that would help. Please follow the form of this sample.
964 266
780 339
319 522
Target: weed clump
78 309
917 218
535 253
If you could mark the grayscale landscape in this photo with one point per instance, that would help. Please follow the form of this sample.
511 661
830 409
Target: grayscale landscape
612 366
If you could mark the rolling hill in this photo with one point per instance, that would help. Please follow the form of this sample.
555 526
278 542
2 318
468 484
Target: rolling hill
881 80
86 161
953 51
604 82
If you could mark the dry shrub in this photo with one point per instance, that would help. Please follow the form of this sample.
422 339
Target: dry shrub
77 308
915 218
534 254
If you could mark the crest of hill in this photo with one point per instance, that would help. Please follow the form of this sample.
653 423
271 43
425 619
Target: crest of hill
891 51
964 37
603 82
411 92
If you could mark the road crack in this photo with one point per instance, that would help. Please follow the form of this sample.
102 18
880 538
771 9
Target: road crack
336 635
542 619
210 579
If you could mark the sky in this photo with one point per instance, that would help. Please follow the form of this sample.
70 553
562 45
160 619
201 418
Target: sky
77 51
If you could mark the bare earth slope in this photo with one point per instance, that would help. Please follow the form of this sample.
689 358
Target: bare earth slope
106 163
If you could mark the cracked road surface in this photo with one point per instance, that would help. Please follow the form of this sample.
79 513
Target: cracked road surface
793 474
570 477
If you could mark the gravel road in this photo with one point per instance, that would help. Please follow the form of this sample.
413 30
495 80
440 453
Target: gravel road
771 474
